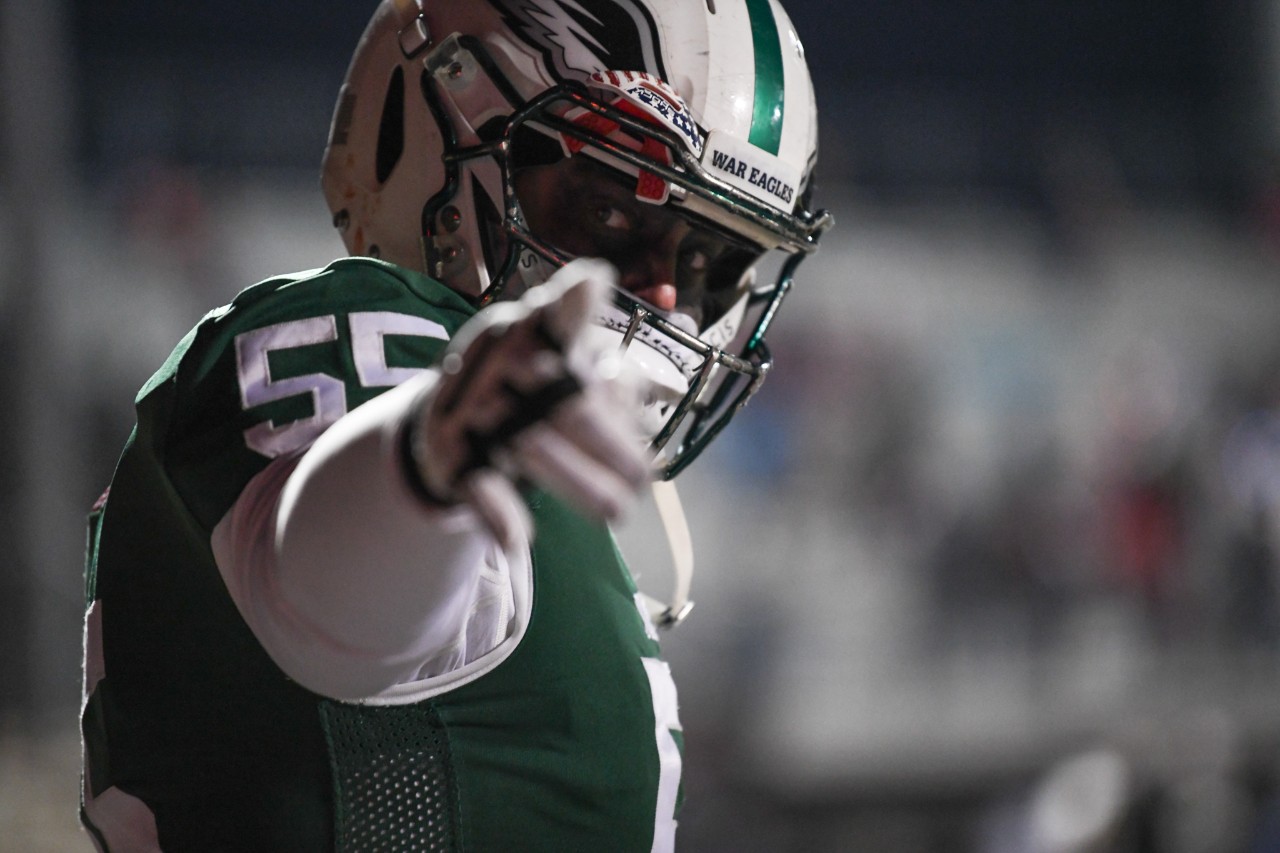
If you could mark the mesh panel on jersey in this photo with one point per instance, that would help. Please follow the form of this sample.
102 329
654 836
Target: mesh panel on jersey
393 784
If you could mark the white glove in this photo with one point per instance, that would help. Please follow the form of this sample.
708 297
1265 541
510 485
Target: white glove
525 397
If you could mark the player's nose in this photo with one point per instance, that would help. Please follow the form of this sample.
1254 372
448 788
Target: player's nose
652 272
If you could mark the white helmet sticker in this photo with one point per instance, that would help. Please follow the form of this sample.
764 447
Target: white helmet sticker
752 170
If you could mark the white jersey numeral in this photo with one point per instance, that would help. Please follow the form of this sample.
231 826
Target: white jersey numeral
328 393
368 328
666 720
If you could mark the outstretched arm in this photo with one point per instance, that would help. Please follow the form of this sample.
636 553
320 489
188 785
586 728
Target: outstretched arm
362 564
525 398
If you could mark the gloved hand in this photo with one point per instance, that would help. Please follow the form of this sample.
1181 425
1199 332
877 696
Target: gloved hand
525 396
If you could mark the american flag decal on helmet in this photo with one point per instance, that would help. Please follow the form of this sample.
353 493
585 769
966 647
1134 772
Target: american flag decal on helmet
658 103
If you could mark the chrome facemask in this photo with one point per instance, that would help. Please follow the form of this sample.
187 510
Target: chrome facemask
705 375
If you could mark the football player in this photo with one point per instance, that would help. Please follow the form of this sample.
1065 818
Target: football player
352 585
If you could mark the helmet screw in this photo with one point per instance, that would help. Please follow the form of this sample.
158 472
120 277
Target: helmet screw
445 256
341 219
451 218
455 71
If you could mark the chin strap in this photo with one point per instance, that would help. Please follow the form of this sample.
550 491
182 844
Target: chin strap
679 539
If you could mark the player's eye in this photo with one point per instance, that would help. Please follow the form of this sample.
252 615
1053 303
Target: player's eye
608 216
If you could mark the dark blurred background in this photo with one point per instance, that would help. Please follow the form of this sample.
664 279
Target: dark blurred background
989 565
917 98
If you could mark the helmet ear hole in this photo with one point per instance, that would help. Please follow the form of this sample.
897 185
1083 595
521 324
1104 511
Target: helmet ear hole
391 127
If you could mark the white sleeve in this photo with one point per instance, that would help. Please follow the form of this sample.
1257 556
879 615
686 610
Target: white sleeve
348 580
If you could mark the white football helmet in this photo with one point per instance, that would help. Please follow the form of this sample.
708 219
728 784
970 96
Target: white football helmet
705 109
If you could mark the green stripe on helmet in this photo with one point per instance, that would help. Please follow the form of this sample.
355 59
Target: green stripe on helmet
766 116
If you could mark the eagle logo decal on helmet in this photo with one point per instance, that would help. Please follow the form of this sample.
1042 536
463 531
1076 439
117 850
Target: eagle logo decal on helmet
575 41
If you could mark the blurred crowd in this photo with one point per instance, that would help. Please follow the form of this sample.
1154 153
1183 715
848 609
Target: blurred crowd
1029 596
991 564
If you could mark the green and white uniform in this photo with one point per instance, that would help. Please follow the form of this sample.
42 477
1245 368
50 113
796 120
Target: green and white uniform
560 735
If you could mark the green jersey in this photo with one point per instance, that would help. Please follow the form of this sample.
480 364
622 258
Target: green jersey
191 731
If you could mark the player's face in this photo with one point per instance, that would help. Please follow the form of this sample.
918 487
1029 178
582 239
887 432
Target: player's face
675 265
